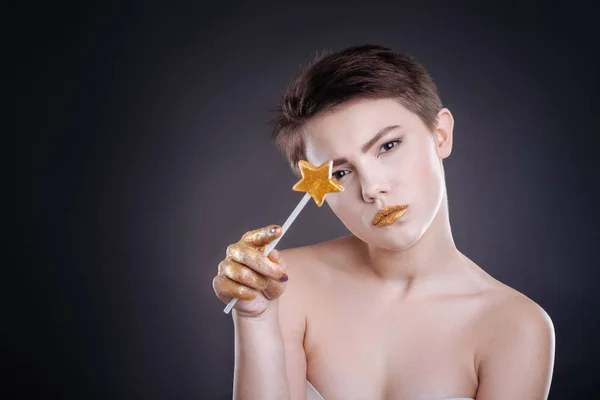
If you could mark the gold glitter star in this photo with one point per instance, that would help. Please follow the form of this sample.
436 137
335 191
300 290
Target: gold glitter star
317 181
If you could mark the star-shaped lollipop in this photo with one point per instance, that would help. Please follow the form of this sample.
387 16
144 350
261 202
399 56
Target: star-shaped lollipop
316 182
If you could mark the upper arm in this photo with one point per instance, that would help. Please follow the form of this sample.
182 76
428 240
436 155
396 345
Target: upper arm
292 321
518 356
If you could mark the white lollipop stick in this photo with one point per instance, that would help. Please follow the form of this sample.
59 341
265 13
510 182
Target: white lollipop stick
272 245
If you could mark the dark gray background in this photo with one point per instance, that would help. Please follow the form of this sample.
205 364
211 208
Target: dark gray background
139 150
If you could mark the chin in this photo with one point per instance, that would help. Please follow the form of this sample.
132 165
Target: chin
394 237
397 242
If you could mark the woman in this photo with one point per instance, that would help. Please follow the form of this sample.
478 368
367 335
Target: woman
394 310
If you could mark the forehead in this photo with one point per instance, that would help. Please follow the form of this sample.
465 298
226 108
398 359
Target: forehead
346 128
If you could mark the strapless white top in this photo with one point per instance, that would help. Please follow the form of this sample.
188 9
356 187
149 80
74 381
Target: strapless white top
312 394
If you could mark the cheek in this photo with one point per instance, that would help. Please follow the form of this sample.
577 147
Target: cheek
426 174
427 163
420 180
344 210
431 182
336 205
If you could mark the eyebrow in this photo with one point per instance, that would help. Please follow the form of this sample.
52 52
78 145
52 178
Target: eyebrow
365 147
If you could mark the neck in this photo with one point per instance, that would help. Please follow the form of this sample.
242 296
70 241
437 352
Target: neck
432 256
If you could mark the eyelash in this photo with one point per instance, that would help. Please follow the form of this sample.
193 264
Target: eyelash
395 141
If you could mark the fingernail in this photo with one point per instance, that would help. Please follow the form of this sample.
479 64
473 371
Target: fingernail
274 229
283 278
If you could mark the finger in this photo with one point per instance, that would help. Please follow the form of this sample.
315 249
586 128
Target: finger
275 256
262 236
216 284
242 274
274 290
255 259
226 289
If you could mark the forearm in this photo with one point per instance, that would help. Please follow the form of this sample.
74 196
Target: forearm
260 371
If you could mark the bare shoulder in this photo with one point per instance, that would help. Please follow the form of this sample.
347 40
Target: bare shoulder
511 320
316 261
501 306
508 308
514 355
304 266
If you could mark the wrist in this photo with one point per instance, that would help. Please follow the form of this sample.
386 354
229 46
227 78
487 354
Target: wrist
270 313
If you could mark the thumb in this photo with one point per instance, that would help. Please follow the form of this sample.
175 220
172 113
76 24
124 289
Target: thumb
263 236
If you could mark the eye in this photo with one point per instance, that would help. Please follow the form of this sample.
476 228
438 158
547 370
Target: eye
339 174
388 146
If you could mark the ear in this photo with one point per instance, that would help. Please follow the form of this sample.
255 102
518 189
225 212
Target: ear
443 133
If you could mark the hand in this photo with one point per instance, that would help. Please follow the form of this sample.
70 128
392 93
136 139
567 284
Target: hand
247 274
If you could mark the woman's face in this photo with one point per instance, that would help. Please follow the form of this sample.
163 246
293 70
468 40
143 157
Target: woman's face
386 157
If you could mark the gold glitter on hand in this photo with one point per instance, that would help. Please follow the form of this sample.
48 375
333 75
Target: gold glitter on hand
317 181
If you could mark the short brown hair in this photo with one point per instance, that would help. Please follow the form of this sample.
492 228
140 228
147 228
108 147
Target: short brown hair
367 72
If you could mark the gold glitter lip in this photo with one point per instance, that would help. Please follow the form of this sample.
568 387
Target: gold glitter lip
388 215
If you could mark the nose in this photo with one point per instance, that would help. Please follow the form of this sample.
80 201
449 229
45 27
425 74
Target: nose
373 190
